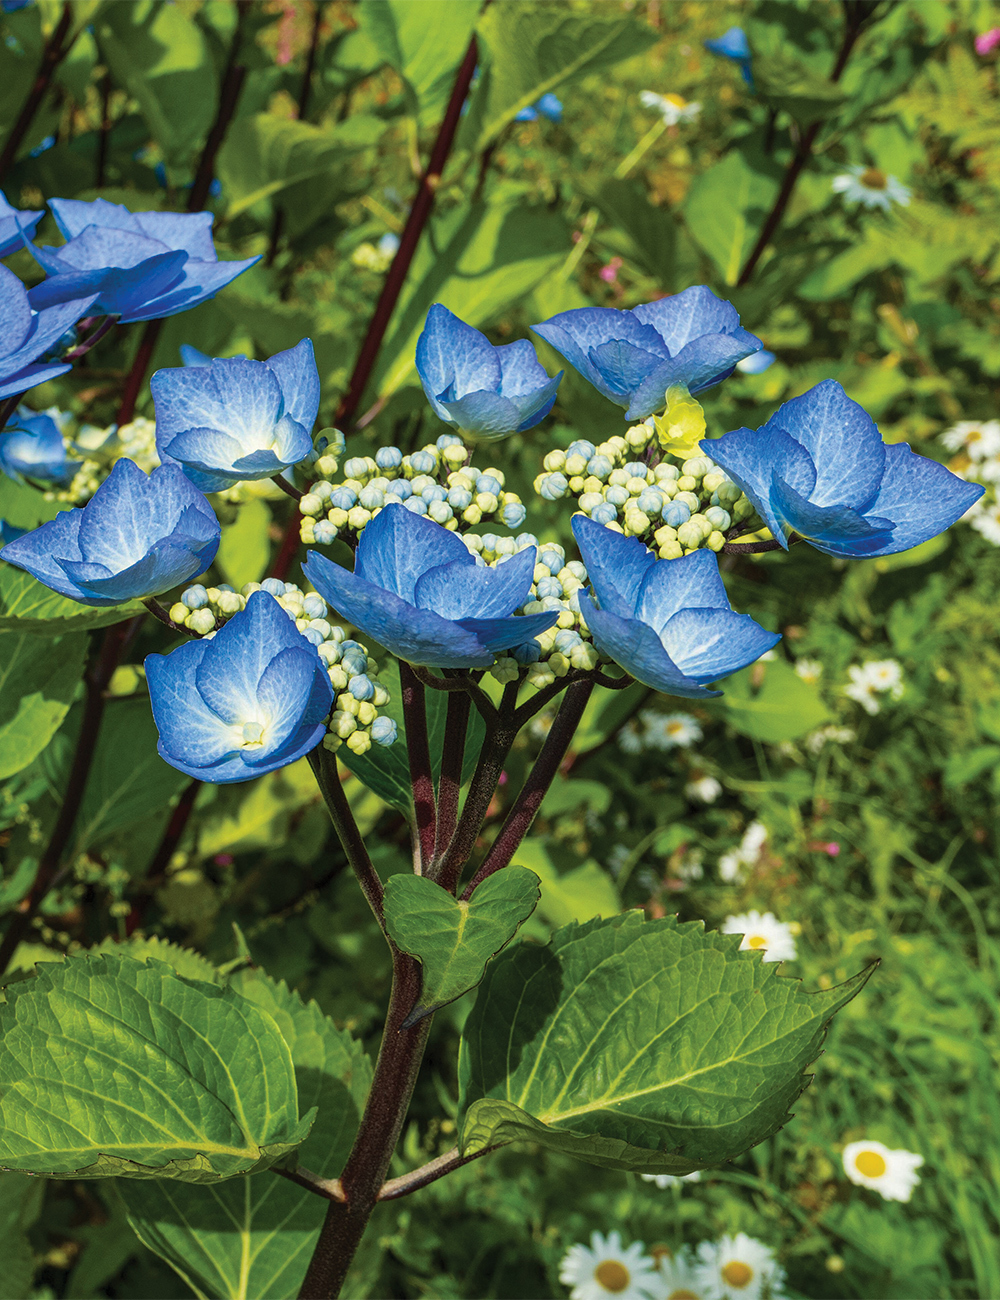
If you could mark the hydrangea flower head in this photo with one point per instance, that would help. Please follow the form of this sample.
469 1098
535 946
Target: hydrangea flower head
819 468
417 590
141 265
485 391
252 698
15 226
234 420
32 447
31 323
138 536
691 340
733 45
667 622
893 1174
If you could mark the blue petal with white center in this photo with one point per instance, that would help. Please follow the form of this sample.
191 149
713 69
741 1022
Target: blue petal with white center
692 339
30 328
488 392
668 623
417 590
252 699
138 536
820 470
32 447
234 419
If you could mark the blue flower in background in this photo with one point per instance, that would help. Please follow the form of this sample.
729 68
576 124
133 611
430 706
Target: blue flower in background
417 590
548 106
667 622
32 447
252 698
142 265
138 536
692 339
757 364
819 468
234 420
13 224
486 392
30 328
8 532
12 6
734 45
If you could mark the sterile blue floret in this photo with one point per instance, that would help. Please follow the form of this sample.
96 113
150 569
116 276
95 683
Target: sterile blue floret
31 323
733 45
417 590
138 536
692 339
142 265
488 392
252 698
32 447
235 419
16 225
819 468
666 622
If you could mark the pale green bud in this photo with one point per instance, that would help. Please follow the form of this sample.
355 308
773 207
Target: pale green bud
718 518
179 613
505 670
715 541
201 621
311 504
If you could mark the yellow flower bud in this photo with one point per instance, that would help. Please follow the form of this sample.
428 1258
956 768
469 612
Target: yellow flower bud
682 425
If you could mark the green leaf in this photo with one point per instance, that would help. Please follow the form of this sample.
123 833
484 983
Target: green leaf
160 57
185 961
386 769
112 1066
606 711
643 234
454 940
28 606
726 207
257 814
634 1044
253 1236
782 707
585 892
531 49
424 43
245 548
787 83
20 1203
37 685
967 764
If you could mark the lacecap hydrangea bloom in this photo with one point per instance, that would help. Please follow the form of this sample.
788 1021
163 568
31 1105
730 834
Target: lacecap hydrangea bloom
16 226
418 590
140 265
235 419
137 537
819 468
691 340
486 391
31 323
32 447
666 622
252 698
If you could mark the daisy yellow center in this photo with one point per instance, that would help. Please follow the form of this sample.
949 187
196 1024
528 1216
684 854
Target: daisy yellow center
614 1277
737 1274
678 101
682 1294
873 179
756 941
674 728
870 1164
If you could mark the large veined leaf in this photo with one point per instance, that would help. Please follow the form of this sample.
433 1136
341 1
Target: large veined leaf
726 207
424 43
770 702
20 1203
476 261
646 1045
112 1066
26 605
253 1236
642 233
37 682
452 939
531 49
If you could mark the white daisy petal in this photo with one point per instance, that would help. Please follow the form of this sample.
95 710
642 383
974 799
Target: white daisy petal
762 931
893 1174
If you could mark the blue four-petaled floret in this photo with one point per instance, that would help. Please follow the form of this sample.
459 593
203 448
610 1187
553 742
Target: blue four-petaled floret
30 327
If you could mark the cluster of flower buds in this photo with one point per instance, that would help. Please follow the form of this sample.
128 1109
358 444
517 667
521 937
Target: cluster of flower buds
675 505
438 481
101 449
355 720
556 586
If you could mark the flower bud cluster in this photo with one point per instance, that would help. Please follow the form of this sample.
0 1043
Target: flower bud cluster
436 481
675 506
328 446
101 448
355 720
556 587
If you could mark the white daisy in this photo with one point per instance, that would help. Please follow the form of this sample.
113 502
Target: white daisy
670 730
672 108
987 524
606 1269
671 1180
893 1174
679 1276
980 439
762 931
810 670
706 789
630 740
862 691
871 187
732 865
738 1268
815 741
886 675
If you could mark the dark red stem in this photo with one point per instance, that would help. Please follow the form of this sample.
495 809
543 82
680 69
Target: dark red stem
452 762
419 754
752 548
56 49
137 374
229 93
165 850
